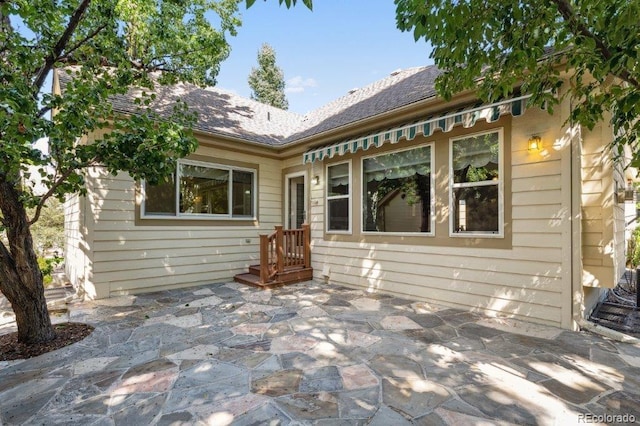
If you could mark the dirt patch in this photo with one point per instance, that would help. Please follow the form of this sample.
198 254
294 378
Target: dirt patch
66 334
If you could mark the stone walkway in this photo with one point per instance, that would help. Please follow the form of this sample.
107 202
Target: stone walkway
315 354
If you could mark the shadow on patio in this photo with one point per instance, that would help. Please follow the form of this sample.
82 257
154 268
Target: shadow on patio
315 354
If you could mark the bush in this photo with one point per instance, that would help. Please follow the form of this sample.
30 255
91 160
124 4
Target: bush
46 266
633 249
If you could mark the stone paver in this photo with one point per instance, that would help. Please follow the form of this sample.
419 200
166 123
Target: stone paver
314 354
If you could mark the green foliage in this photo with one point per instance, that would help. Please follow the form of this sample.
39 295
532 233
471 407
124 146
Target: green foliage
494 46
46 266
267 81
116 45
48 231
633 249
110 48
288 3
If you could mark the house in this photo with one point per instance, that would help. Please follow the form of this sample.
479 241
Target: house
405 193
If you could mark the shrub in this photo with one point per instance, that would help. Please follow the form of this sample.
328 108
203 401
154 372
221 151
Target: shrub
46 266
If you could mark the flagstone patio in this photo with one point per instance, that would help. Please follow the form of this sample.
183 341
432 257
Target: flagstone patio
315 354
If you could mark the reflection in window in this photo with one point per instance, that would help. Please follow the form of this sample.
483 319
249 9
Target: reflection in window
242 193
475 162
338 192
397 191
203 189
160 199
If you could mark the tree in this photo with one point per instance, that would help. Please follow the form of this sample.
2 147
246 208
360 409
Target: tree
267 81
48 231
494 46
108 47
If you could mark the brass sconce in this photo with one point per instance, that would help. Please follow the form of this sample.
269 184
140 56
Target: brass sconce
535 144
315 180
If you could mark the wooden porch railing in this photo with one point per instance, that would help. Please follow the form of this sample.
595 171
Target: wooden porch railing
284 250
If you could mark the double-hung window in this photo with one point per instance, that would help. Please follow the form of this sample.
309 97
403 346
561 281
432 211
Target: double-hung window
203 190
476 184
397 192
339 197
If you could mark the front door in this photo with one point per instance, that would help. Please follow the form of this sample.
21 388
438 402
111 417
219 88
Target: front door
296 201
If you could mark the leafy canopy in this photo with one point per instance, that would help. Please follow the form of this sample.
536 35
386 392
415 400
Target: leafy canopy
116 45
536 44
106 47
267 80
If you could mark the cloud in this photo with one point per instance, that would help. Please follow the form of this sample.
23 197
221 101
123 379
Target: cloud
299 84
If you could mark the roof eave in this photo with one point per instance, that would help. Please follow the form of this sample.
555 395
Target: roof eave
374 121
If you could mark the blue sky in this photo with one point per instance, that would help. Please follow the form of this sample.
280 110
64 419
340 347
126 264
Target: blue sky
340 45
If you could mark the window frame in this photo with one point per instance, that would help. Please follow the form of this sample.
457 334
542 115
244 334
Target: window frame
432 194
349 196
499 184
204 216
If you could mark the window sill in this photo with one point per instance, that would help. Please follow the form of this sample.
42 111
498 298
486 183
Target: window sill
475 235
400 234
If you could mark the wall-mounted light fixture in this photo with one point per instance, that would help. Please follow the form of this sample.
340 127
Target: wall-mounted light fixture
534 144
315 180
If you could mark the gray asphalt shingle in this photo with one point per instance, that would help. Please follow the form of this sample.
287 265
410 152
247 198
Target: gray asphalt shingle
224 113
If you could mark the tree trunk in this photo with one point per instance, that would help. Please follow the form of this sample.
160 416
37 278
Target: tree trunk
20 276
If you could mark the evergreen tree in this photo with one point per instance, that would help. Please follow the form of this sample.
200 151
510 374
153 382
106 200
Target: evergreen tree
267 81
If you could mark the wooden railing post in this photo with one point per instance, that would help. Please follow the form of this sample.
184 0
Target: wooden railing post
306 238
264 258
279 249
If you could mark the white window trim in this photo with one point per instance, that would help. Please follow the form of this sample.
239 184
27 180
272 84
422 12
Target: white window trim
349 196
432 200
204 216
478 234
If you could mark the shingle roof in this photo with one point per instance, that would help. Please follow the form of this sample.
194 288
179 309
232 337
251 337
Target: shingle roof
221 112
400 89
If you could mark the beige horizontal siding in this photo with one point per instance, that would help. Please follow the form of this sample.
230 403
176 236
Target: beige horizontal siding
536 296
599 219
77 257
526 281
165 282
538 183
131 258
548 211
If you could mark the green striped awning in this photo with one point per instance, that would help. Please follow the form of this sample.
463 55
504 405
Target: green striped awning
467 117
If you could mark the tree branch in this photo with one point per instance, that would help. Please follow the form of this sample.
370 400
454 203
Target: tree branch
580 28
53 188
83 41
74 21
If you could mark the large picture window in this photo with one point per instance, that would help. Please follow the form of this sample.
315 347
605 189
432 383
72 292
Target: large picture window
397 192
203 189
339 197
476 184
